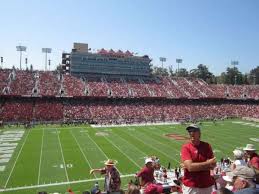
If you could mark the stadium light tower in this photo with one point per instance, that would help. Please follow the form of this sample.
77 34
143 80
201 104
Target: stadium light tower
21 49
178 61
235 63
162 59
46 51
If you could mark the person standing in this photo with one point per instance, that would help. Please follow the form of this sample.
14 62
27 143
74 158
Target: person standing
146 174
197 160
112 180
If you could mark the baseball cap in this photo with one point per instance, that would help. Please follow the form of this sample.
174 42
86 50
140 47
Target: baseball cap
192 127
147 160
243 172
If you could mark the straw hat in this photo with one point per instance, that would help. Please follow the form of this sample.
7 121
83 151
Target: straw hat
110 162
249 147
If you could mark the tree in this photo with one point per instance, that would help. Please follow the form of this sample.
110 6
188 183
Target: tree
183 72
159 71
253 77
232 76
203 72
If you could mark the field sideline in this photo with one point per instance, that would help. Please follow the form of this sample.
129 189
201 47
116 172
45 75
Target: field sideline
53 158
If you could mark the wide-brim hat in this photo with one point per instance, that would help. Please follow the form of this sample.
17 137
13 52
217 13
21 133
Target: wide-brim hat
249 147
192 127
243 172
110 162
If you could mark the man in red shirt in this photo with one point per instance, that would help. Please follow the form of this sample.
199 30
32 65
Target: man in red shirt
253 157
146 174
197 161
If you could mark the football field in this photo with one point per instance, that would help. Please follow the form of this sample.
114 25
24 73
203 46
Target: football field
54 158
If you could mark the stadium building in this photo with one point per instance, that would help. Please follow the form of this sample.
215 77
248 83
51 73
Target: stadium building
105 62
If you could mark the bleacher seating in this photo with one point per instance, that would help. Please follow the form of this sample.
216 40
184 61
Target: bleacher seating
172 99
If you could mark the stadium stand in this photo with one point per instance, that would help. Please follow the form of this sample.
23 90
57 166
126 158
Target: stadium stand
50 96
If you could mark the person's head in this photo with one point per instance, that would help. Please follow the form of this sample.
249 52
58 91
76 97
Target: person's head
249 150
149 163
238 154
133 189
194 133
243 177
109 164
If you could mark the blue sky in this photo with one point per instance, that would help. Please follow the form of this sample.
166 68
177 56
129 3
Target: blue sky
211 32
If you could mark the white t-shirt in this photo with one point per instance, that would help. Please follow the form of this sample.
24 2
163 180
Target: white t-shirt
240 163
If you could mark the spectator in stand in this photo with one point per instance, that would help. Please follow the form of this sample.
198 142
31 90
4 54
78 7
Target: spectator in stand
133 189
112 180
198 160
238 159
243 177
252 156
146 174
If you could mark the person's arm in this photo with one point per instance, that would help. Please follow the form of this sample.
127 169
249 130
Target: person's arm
199 166
96 170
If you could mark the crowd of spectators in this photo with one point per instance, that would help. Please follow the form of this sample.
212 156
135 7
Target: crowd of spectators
118 111
52 83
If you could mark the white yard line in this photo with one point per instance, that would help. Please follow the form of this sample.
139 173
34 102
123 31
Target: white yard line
56 184
122 152
100 149
62 156
16 160
40 156
82 152
150 145
129 143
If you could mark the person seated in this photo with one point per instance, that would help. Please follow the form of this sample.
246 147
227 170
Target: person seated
238 159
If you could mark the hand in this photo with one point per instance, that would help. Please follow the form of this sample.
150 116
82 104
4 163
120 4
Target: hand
182 165
92 171
212 162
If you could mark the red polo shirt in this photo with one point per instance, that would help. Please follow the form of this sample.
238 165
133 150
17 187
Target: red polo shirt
254 161
200 153
147 175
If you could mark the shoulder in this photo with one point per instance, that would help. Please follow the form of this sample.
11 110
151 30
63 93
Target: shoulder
186 145
205 144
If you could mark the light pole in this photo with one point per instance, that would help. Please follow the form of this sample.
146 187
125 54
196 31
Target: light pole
49 64
26 62
21 49
254 76
46 51
235 63
2 60
162 59
178 61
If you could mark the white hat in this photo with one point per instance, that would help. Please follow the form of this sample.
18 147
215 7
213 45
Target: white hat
147 160
249 147
238 153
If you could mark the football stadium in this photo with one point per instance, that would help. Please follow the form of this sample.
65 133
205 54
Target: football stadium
58 125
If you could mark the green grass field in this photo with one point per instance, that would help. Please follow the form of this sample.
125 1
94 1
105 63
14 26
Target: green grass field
54 158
